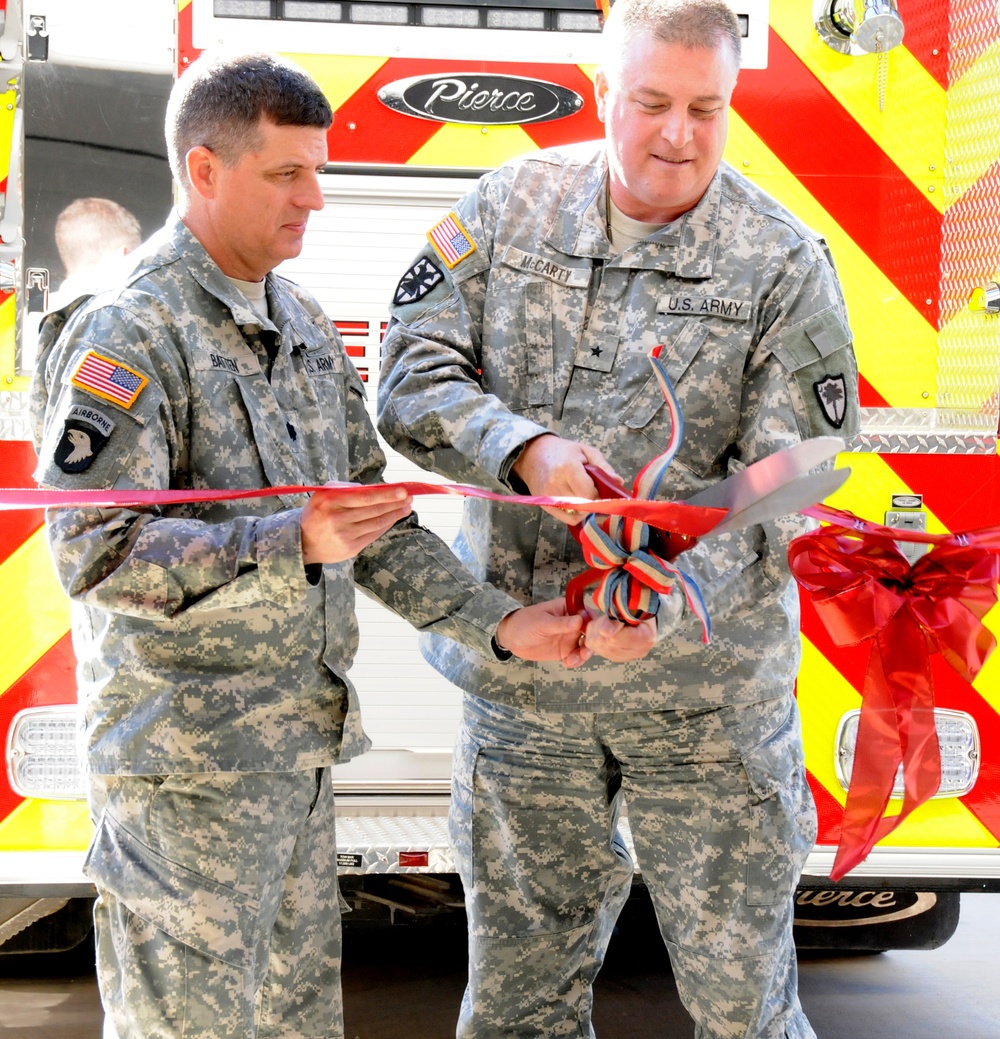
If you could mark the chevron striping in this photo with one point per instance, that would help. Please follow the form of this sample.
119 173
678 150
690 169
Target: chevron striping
902 369
340 79
848 174
483 149
910 130
824 700
34 610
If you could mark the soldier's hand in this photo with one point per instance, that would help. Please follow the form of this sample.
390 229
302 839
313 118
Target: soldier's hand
552 466
337 528
544 631
619 642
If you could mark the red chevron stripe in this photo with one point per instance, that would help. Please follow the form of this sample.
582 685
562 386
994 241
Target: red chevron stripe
925 35
962 490
951 692
846 172
50 681
17 463
973 228
364 130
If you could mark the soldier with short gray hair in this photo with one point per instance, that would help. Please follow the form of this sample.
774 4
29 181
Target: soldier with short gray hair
214 639
517 355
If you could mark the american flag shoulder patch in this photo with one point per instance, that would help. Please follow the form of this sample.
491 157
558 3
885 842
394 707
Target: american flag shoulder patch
450 240
109 379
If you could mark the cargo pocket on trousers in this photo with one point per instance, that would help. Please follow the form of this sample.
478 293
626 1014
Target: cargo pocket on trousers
208 917
460 813
782 815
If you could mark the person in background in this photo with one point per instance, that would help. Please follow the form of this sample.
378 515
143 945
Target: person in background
517 354
93 235
214 639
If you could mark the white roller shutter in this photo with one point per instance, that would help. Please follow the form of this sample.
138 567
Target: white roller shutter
355 252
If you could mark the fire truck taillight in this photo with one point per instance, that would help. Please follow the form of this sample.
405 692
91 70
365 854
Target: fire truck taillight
43 757
958 737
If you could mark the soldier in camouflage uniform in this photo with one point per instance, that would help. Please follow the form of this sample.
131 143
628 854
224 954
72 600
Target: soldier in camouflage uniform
214 639
517 352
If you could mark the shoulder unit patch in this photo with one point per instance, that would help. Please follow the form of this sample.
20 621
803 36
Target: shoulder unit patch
831 393
417 281
450 240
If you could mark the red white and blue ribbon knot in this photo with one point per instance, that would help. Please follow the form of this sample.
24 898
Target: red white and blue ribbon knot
626 571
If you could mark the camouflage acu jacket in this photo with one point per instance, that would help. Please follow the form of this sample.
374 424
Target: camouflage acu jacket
202 644
517 318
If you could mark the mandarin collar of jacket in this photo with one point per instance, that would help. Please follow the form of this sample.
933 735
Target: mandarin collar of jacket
179 243
686 247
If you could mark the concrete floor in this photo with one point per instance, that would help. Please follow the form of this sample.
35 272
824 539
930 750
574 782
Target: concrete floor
412 986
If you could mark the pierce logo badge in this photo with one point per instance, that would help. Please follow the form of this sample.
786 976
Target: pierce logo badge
108 379
480 99
831 393
450 240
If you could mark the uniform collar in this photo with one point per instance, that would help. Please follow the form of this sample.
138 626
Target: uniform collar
207 273
687 247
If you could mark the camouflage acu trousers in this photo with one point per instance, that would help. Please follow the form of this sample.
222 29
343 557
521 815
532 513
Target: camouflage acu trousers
721 819
218 914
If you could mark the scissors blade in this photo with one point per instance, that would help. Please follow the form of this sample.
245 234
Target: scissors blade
783 500
742 489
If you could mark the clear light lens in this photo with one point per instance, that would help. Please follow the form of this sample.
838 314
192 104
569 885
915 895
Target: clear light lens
381 14
242 8
450 17
578 21
503 18
958 738
43 757
314 12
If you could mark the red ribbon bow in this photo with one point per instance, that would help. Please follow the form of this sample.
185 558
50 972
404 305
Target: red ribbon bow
864 589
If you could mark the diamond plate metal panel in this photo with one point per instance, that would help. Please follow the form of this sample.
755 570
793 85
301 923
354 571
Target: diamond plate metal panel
15 419
969 355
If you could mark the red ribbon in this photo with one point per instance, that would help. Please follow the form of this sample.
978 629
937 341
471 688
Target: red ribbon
687 520
864 589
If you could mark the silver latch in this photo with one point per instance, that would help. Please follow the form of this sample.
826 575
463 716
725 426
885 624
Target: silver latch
907 513
37 37
36 285
986 297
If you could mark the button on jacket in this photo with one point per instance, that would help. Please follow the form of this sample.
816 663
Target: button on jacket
203 645
539 326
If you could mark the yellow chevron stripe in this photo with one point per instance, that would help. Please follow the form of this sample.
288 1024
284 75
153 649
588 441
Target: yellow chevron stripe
972 103
34 610
869 489
339 78
181 4
8 344
910 129
8 107
46 826
824 697
987 682
457 145
902 366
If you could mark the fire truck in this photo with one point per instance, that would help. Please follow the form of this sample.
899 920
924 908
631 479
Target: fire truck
875 123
